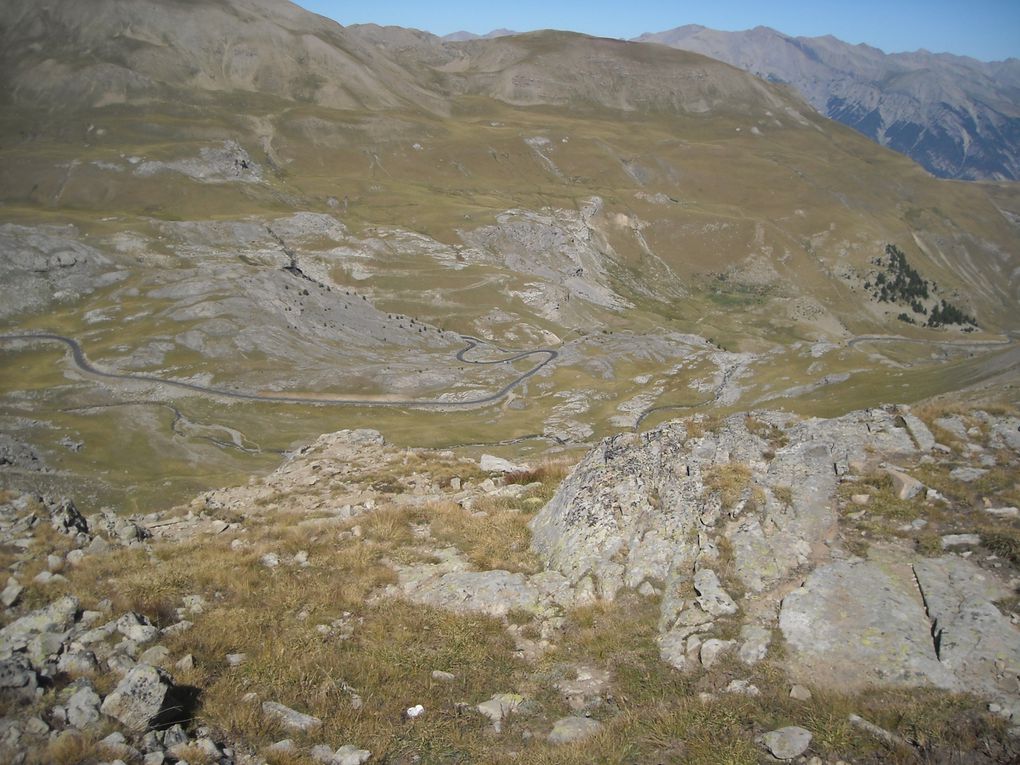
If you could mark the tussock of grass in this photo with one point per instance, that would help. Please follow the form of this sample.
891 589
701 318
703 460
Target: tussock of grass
729 481
499 540
766 431
1003 542
547 472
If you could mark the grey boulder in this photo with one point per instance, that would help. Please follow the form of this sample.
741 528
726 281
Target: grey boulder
139 697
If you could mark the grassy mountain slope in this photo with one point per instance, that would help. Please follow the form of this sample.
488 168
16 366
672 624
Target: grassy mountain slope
681 233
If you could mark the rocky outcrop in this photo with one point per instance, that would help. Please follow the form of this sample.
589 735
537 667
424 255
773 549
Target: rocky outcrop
654 508
739 527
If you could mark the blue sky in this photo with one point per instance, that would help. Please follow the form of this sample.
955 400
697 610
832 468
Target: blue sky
985 29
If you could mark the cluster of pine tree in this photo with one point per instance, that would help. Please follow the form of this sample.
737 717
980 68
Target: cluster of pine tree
947 313
900 283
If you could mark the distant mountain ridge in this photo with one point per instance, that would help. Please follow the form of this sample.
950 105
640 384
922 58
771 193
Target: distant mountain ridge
956 116
463 36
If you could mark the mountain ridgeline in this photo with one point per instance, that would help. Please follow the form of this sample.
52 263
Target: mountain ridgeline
955 116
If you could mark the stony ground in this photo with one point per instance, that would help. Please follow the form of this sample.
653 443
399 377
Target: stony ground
745 589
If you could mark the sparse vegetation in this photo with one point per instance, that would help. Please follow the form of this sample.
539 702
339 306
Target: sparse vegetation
730 481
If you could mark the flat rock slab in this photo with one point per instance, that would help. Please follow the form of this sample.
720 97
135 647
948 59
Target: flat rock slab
290 718
850 625
495 593
972 636
787 743
491 464
566 730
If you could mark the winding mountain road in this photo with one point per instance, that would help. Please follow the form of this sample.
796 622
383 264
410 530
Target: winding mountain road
83 364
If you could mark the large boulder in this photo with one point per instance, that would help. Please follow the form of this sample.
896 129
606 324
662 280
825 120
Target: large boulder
138 699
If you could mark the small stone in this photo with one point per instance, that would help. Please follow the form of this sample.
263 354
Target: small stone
11 593
787 743
154 758
967 474
284 746
36 726
1003 512
75 557
82 709
904 485
290 718
54 562
349 754
647 589
501 705
566 730
446 677
416 711
186 663
236 659
755 646
711 596
270 560
800 693
744 687
712 649
218 527
860 499
455 483
137 627
960 540
155 655
57 617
